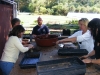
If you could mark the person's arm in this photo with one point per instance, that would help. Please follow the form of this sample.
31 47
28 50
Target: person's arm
75 34
90 54
67 40
80 38
94 61
19 45
84 37
47 30
33 32
72 38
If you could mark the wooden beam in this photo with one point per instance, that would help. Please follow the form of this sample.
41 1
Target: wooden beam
9 1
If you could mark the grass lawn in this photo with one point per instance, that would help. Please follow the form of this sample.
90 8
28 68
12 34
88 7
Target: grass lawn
53 22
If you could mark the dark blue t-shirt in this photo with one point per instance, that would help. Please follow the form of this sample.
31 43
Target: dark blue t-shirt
37 30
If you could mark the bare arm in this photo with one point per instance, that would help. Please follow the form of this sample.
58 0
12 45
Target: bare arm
74 39
91 53
94 61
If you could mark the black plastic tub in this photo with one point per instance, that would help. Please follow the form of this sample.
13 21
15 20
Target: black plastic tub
72 52
32 53
68 66
30 59
62 37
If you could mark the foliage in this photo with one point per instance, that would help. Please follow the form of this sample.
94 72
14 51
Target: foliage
64 26
72 22
58 7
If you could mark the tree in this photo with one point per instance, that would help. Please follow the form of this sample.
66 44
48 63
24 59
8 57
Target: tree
23 4
57 6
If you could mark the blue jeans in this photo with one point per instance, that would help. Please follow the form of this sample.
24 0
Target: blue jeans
6 67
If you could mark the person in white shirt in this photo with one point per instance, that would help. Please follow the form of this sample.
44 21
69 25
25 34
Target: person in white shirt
12 49
83 36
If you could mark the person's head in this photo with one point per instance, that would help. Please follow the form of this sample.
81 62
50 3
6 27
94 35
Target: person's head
15 22
39 20
17 31
94 26
83 23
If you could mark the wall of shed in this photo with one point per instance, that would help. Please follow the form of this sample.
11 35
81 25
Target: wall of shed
5 24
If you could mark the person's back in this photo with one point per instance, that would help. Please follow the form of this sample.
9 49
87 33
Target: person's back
12 48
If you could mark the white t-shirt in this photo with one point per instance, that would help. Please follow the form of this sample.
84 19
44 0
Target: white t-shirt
12 48
86 40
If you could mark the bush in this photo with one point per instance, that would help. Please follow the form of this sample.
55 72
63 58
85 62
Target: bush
72 8
78 9
43 10
74 22
50 11
59 10
83 9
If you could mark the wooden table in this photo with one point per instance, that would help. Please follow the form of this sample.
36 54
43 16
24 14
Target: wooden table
47 53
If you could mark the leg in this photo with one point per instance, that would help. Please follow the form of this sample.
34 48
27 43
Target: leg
6 67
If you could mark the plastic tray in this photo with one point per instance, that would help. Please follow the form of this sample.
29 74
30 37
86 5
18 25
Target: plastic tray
72 52
29 60
68 66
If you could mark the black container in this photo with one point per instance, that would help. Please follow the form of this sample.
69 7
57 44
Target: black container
26 36
72 52
32 53
68 66
62 37
30 59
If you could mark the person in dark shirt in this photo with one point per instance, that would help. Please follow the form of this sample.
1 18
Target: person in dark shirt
94 26
40 29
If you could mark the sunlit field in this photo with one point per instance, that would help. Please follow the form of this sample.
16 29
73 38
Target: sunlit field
29 20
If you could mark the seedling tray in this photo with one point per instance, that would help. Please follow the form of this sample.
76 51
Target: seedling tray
30 60
72 52
68 66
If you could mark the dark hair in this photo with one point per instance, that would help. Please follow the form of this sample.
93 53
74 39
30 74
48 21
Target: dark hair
13 21
16 30
94 26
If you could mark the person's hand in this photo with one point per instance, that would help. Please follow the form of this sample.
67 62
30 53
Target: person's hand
57 42
84 57
86 60
30 46
34 36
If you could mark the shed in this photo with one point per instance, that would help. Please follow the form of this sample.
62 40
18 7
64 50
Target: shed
7 12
